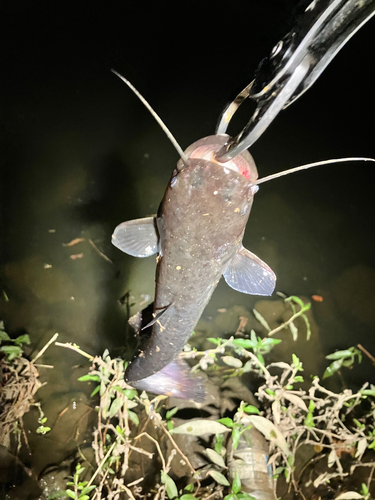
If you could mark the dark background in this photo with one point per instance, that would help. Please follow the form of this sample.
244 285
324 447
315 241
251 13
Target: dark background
79 154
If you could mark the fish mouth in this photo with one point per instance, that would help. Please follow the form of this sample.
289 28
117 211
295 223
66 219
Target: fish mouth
207 149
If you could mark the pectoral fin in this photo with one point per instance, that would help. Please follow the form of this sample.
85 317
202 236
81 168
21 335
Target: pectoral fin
246 273
138 237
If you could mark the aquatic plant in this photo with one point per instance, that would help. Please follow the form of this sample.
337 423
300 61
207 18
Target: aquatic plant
134 430
19 383
143 446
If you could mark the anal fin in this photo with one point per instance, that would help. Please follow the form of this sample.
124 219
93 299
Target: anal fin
157 316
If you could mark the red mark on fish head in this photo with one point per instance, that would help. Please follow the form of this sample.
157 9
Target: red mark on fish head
208 152
242 166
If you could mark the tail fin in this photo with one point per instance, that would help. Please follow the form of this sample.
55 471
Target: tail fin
175 380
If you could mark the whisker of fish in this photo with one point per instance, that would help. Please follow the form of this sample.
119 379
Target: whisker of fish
309 165
166 130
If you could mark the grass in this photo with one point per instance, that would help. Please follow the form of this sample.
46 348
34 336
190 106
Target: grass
138 439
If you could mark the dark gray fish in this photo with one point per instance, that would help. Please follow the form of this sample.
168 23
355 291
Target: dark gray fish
201 221
198 236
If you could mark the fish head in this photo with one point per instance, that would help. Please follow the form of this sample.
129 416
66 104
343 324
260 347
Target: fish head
207 149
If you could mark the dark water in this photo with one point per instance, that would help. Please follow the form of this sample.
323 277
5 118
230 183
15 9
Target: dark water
80 155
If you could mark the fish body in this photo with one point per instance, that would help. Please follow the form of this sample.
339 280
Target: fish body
198 234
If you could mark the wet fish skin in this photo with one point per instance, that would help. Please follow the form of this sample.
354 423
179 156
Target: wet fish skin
199 231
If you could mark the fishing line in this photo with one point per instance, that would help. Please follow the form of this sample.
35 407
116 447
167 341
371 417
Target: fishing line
309 165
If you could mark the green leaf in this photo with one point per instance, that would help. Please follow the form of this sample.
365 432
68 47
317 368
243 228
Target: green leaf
298 301
296 361
348 362
261 359
219 440
218 477
79 469
4 335
340 354
308 327
189 487
232 361
188 496
95 391
171 413
236 485
365 490
269 431
170 485
70 494
43 430
215 457
309 421
236 437
226 421
117 403
261 320
214 341
294 331
298 378
120 431
129 393
231 496
253 337
245 496
368 392
133 417
22 339
200 428
358 424
12 351
247 367
332 368
251 409
267 341
89 378
245 343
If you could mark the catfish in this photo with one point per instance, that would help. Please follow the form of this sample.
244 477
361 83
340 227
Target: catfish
197 235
